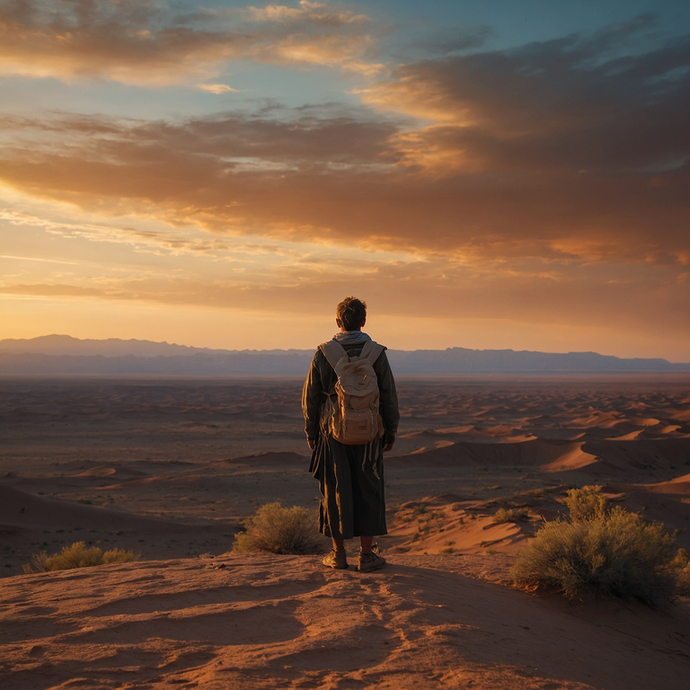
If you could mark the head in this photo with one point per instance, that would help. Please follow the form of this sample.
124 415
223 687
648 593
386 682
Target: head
351 314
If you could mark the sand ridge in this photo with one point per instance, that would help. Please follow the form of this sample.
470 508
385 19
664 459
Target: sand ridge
261 621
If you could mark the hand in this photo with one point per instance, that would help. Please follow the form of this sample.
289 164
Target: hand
387 447
311 443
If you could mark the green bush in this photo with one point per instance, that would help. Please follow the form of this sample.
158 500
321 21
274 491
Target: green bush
585 502
511 515
280 530
608 554
77 556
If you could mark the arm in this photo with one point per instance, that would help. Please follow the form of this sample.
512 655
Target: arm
311 403
388 401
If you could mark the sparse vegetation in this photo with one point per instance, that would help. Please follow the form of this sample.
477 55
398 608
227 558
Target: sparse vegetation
613 553
425 521
431 515
681 569
511 515
277 529
78 555
585 502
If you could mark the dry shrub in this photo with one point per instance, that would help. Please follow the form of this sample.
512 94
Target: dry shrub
681 569
511 515
78 555
120 556
585 502
607 554
280 530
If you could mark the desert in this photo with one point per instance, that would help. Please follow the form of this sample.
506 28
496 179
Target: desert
170 467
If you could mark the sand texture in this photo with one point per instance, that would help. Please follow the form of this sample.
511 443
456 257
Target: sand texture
170 469
265 621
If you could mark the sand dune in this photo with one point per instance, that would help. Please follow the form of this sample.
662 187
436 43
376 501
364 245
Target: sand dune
269 621
21 509
529 452
170 469
575 458
30 524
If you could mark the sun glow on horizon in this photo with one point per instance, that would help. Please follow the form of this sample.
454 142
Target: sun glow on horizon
224 179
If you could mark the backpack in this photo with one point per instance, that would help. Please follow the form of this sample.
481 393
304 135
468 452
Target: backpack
353 419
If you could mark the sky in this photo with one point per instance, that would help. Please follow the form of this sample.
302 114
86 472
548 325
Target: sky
495 174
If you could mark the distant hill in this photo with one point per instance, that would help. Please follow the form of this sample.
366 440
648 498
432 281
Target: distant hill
112 347
63 355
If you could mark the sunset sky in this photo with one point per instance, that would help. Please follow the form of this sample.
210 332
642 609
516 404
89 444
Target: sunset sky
494 174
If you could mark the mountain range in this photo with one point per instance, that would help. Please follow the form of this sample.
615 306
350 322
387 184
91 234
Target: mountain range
63 355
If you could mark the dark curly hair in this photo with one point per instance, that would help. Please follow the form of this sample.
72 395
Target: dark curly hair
352 313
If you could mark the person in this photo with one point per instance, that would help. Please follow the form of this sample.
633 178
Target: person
350 476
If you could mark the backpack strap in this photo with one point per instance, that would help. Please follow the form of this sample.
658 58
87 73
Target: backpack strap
333 351
371 351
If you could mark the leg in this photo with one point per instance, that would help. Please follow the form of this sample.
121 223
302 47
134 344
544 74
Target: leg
366 543
338 544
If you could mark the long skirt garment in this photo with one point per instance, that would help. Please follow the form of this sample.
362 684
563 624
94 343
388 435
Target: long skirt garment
351 481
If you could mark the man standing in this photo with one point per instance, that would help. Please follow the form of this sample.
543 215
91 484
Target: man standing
349 463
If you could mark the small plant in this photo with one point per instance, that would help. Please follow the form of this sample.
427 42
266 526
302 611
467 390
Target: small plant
78 555
607 554
510 515
681 569
280 530
431 515
585 502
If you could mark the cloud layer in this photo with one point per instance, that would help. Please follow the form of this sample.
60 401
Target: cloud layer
547 183
146 42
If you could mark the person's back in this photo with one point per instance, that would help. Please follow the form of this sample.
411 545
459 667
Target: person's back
350 474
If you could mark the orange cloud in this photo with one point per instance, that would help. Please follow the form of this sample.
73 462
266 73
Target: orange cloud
142 42
316 12
340 180
591 299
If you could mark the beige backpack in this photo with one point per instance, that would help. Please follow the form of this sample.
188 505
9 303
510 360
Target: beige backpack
354 418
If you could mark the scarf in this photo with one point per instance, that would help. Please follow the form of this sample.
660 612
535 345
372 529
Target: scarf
351 337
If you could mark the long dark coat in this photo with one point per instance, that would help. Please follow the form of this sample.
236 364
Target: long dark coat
350 477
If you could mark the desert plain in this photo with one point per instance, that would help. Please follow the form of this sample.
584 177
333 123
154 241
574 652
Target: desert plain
170 468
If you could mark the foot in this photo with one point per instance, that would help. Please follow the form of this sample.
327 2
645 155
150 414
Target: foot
336 559
370 561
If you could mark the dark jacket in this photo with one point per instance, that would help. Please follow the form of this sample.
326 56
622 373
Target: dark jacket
321 382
